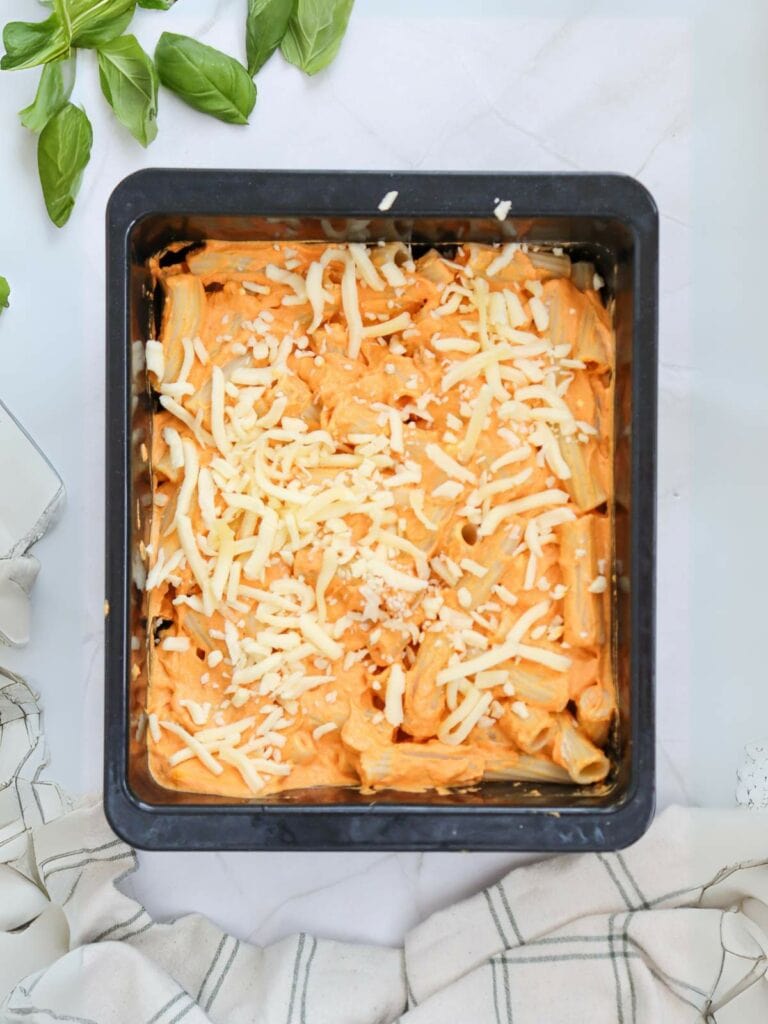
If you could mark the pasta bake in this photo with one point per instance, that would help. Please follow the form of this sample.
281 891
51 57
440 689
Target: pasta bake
380 550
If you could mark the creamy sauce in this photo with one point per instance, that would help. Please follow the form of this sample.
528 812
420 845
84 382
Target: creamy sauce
390 430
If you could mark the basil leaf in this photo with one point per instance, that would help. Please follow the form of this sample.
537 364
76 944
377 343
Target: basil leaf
5 291
157 5
129 82
206 79
63 152
314 33
264 28
54 90
94 22
29 43
73 23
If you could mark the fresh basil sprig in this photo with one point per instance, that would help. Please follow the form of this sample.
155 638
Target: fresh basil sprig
29 43
5 291
73 23
94 22
205 78
315 31
129 82
53 91
63 152
264 28
309 33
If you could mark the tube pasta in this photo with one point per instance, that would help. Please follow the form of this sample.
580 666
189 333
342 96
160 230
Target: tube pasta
182 318
572 750
424 702
531 733
595 712
380 549
405 765
523 768
581 607
540 686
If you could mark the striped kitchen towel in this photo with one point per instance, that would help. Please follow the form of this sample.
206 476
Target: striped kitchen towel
672 931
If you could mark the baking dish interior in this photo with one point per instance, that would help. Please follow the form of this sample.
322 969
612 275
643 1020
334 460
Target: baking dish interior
607 243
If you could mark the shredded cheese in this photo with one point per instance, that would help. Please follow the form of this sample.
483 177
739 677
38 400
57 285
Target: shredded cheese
531 501
393 705
387 201
155 358
351 308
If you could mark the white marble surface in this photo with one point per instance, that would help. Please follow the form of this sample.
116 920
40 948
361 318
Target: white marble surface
674 95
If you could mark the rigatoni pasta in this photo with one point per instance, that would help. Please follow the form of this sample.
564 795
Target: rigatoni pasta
380 548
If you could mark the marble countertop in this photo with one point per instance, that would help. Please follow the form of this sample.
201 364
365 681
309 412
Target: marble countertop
424 85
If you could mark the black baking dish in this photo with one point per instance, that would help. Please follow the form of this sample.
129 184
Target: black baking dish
612 221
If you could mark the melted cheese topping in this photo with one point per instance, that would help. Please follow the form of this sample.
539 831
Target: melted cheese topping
339 549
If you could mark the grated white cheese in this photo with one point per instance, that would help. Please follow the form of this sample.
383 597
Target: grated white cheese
448 465
323 730
477 423
387 201
503 260
502 208
450 489
526 504
540 314
393 704
155 358
175 643
455 345
351 308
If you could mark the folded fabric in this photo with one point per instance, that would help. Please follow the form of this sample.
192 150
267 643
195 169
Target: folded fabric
17 576
673 930
31 495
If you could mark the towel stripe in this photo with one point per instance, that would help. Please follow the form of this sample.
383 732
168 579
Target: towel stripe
183 1013
84 849
615 966
214 961
90 860
117 927
606 864
507 992
626 940
510 915
295 981
166 1007
310 958
493 964
223 975
496 920
632 881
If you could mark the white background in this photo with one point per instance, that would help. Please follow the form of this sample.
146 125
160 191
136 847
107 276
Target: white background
675 95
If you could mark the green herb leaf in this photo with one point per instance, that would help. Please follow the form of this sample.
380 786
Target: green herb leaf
63 152
264 28
5 291
157 5
129 82
29 43
54 90
73 23
314 34
93 22
205 78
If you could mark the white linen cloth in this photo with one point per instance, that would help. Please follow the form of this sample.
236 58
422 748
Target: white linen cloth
31 496
672 931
